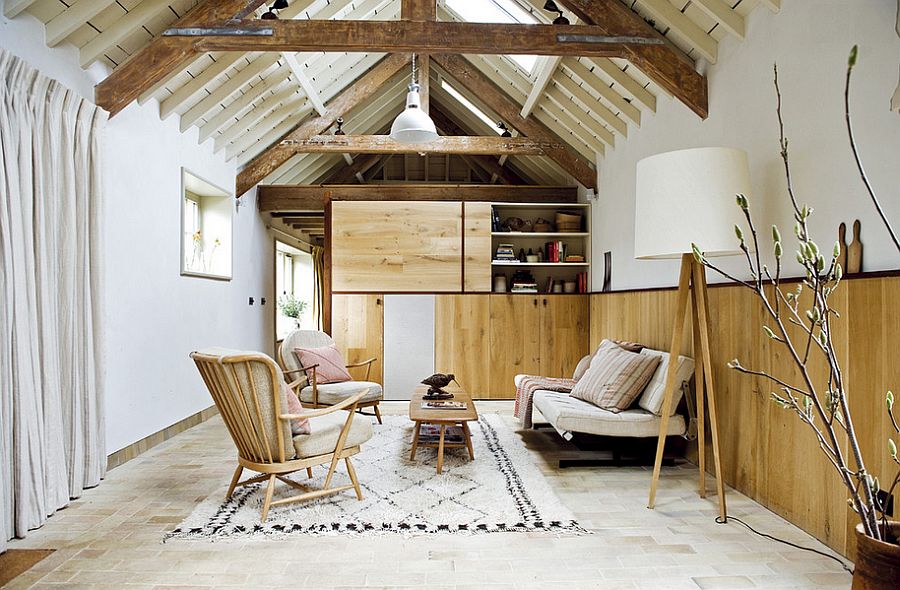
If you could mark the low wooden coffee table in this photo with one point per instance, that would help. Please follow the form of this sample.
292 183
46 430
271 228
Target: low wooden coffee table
442 418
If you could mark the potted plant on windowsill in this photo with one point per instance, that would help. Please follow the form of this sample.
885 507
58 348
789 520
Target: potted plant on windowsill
801 320
292 307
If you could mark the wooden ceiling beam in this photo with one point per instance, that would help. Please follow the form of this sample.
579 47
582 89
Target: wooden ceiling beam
662 62
355 94
495 99
461 144
162 56
411 37
287 198
418 10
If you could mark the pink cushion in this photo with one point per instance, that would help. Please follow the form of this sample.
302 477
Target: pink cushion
295 407
331 369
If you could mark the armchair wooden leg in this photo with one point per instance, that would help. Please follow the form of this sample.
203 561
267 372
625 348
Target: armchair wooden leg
234 481
377 413
270 491
309 472
352 472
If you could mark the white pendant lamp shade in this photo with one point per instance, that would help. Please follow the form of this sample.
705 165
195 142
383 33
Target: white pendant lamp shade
689 196
413 125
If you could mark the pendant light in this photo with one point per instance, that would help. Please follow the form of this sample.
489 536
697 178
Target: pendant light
413 125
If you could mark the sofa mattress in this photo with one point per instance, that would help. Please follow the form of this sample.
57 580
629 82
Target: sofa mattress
568 414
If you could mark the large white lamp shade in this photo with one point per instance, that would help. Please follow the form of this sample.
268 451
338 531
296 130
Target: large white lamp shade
413 125
689 196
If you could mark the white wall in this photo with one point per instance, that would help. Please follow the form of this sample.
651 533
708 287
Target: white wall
810 41
153 317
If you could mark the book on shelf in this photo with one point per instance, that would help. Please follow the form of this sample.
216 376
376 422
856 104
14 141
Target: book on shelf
505 253
443 405
556 251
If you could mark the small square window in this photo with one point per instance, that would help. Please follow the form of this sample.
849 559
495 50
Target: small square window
206 228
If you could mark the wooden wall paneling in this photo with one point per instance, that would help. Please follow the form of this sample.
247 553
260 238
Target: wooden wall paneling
874 332
477 236
399 246
462 341
358 331
742 400
565 338
515 338
820 508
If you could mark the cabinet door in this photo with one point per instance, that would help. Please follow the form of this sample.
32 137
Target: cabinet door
462 341
358 330
515 341
390 246
565 333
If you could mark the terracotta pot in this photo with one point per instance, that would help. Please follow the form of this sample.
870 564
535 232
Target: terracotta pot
877 562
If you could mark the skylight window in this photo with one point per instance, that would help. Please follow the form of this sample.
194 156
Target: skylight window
471 107
497 11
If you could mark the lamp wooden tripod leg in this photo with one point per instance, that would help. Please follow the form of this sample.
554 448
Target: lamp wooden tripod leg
692 284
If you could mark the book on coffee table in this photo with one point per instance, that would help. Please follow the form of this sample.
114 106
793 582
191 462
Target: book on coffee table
431 433
443 405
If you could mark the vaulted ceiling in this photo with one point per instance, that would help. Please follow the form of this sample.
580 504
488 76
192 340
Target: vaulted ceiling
246 102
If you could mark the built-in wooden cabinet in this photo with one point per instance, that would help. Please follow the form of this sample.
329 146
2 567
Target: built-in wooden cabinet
462 339
449 247
358 330
486 340
396 246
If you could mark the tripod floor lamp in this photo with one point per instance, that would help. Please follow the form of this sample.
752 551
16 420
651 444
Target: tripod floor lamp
683 197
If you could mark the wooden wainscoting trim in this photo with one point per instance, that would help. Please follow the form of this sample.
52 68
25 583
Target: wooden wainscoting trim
140 447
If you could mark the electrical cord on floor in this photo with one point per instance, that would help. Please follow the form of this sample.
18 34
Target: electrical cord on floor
846 567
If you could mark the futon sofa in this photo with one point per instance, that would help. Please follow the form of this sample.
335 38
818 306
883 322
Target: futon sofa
569 415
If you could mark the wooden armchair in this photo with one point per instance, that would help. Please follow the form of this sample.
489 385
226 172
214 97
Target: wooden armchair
326 394
250 392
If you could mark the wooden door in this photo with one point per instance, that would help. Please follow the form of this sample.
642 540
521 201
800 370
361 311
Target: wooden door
358 330
565 333
462 341
515 334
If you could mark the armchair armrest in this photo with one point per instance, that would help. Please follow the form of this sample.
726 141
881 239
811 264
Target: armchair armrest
366 363
350 401
361 363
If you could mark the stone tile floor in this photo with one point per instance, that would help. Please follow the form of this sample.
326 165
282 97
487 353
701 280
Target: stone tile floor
112 536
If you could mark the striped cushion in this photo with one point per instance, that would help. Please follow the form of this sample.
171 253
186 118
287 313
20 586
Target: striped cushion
652 398
615 378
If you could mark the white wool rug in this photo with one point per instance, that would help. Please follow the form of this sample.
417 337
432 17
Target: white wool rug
500 491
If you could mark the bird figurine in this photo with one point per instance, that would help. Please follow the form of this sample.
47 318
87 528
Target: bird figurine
437 382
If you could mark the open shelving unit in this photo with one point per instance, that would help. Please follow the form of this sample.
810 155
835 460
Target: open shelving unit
578 243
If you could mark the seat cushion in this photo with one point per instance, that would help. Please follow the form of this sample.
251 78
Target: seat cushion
569 414
333 393
326 430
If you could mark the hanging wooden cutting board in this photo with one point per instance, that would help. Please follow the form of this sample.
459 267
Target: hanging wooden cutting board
842 242
855 251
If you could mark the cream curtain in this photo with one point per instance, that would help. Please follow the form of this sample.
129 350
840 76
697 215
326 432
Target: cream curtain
51 419
318 257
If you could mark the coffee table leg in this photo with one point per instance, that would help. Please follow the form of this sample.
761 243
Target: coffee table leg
440 465
415 444
468 435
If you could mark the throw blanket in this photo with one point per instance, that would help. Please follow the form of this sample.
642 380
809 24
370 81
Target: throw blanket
525 392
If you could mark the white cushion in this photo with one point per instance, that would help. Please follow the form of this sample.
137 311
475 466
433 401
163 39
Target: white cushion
569 414
333 393
326 430
652 398
582 367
